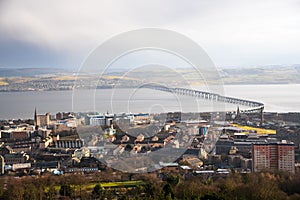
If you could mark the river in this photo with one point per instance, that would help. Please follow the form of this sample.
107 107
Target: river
14 105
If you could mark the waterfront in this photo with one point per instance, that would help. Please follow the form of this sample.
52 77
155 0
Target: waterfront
277 98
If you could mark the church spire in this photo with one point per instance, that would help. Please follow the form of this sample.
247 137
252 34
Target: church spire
35 117
34 114
237 113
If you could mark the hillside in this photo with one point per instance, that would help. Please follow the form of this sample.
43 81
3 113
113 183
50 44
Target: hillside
26 79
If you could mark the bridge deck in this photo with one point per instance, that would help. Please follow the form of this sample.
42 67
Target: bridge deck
253 105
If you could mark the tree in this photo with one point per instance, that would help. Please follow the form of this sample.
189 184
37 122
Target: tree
98 192
15 191
211 197
30 192
173 180
149 190
2 182
168 191
65 190
51 193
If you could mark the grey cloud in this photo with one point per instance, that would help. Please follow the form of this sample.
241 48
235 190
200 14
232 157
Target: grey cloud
224 27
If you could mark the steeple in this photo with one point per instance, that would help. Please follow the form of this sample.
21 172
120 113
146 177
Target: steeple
35 118
35 115
238 111
237 115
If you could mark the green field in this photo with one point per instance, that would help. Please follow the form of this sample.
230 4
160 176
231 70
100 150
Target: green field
121 184
90 186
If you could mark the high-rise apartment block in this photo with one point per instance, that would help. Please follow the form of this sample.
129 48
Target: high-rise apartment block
41 120
274 156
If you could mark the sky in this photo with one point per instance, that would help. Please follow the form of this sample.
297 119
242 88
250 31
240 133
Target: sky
61 34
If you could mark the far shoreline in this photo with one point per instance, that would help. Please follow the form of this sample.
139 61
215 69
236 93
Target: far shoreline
124 87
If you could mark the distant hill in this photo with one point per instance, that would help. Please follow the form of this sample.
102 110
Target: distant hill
28 72
234 75
262 75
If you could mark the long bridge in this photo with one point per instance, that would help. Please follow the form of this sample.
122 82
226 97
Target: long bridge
254 106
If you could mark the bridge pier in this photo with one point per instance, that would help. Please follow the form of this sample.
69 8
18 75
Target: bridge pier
255 106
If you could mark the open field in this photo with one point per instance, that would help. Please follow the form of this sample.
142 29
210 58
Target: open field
3 82
90 186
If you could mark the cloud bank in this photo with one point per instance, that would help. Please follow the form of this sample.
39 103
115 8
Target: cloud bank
234 32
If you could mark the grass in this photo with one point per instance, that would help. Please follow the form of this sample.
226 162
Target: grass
118 77
90 186
64 78
121 184
2 83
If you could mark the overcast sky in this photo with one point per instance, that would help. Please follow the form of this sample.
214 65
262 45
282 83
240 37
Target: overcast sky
37 33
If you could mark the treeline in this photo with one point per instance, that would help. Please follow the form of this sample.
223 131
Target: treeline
260 186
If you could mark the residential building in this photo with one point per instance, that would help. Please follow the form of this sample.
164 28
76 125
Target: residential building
20 135
14 158
274 156
77 143
95 120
